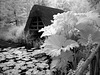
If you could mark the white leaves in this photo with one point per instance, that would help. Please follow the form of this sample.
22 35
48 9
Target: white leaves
52 52
86 29
88 24
79 6
62 22
62 60
73 5
57 43
48 30
71 45
92 14
91 17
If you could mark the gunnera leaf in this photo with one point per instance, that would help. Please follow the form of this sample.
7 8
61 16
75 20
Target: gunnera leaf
55 43
61 61
86 28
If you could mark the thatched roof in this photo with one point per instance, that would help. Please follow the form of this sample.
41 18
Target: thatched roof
46 14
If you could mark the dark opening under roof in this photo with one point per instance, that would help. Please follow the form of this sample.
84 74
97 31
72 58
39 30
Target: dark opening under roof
45 13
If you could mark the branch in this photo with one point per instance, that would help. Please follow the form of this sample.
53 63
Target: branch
88 60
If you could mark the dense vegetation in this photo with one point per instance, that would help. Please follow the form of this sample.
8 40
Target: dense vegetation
72 40
14 13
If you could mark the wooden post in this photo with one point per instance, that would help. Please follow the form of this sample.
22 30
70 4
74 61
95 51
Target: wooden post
99 59
95 64
92 65
87 62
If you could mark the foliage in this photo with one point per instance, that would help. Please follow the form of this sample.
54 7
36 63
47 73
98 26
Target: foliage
13 17
73 5
81 23
14 14
89 27
56 44
63 24
19 61
85 26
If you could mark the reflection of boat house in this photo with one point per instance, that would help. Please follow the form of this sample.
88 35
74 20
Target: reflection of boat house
39 17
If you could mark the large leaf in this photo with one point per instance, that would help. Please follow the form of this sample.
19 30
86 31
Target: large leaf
55 43
62 60
89 26
86 29
96 37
